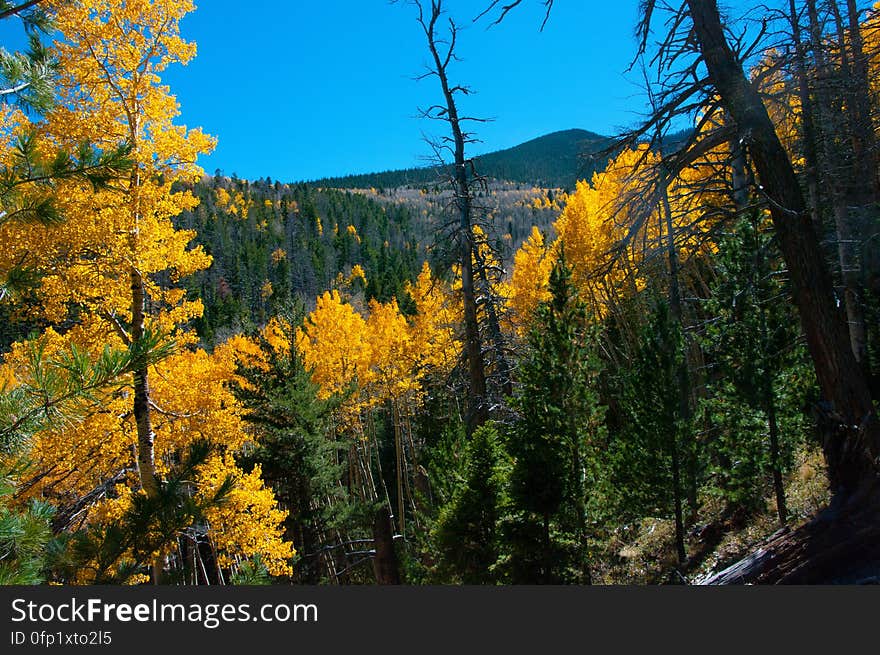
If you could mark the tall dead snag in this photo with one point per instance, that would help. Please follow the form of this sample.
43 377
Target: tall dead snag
442 48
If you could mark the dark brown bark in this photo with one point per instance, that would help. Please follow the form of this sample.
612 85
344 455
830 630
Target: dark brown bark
842 118
496 336
478 409
775 465
853 445
385 564
846 144
864 140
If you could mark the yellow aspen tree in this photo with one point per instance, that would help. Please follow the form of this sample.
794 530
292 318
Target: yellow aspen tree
333 342
609 212
114 261
392 362
432 328
529 286
112 54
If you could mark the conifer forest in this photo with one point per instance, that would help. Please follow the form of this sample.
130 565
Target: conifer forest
642 358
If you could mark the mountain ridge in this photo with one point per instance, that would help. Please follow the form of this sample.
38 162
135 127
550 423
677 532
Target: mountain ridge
554 160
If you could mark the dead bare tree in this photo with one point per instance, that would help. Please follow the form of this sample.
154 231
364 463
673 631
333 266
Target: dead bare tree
476 276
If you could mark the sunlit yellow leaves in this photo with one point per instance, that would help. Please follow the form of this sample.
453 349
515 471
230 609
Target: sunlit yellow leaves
73 459
611 225
278 255
334 345
357 273
249 522
433 326
383 356
531 273
392 357
351 230
110 55
277 334
234 203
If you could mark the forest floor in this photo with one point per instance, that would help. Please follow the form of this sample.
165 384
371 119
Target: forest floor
645 553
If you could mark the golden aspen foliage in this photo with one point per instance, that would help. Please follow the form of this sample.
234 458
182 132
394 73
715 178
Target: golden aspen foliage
277 334
234 203
110 93
608 228
110 55
596 219
532 265
249 523
70 461
351 230
383 356
433 326
357 273
333 343
278 255
393 360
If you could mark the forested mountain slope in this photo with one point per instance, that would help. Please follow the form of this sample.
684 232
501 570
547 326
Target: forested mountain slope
555 160
275 244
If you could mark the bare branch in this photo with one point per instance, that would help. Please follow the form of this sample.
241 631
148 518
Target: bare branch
505 9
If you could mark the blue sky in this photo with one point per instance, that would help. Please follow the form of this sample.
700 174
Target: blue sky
326 88
299 90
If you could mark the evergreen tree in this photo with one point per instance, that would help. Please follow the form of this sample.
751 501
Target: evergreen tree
558 424
466 534
645 453
24 535
762 380
296 453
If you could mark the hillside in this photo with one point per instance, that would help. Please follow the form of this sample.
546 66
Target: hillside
554 160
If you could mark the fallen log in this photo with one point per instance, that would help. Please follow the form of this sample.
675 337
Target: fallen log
840 545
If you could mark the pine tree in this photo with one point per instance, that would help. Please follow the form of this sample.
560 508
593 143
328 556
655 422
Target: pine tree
756 402
645 451
559 421
466 535
296 452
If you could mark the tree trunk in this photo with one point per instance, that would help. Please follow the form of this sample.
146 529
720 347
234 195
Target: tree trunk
580 509
808 124
684 387
680 551
852 440
478 410
385 564
504 375
775 462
